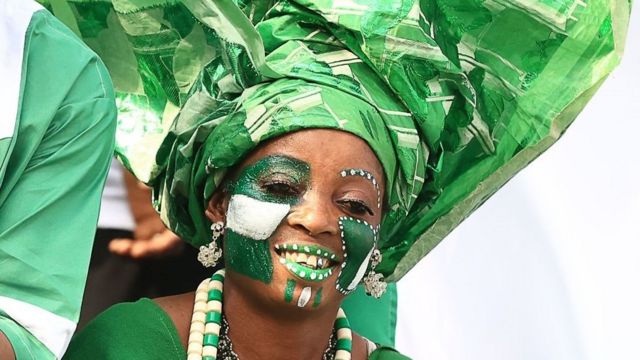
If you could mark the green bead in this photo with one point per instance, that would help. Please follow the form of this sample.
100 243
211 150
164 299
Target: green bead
211 340
213 317
344 344
341 323
215 295
208 358
217 277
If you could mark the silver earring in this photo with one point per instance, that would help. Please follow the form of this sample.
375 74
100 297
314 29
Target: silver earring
374 284
210 254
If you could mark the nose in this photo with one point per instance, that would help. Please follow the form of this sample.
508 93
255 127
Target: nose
313 216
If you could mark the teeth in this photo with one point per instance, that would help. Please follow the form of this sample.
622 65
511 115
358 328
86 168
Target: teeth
312 261
290 253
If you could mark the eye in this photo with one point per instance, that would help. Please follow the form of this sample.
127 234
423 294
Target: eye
356 207
280 188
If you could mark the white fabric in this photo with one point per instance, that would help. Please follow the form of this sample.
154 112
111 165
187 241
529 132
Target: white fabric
115 212
52 330
14 21
549 268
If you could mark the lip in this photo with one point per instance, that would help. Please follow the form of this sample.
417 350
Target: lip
304 272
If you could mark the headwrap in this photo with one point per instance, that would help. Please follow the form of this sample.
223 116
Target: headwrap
453 96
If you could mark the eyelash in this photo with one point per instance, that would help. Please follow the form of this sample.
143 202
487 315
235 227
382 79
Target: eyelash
360 207
281 188
284 188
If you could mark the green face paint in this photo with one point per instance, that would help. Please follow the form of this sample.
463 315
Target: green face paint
261 197
318 298
288 291
358 240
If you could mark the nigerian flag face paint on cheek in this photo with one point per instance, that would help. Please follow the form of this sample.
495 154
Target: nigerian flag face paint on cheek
358 240
260 199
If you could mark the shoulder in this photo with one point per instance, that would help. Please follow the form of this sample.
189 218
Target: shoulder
387 353
179 309
139 330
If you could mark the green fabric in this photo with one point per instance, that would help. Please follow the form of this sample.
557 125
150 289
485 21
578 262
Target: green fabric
454 96
53 175
25 346
373 318
141 331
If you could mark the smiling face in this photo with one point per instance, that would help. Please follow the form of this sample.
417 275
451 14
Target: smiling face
302 218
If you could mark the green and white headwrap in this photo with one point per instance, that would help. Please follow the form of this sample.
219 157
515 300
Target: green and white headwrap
454 96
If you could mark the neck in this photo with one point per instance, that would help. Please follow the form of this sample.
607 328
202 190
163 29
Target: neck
283 332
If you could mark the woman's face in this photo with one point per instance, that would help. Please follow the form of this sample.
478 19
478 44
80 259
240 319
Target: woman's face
301 218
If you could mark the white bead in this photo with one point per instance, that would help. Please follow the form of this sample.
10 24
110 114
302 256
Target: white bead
203 283
201 296
194 348
194 357
215 285
198 317
199 306
209 351
197 327
343 355
344 333
214 305
212 328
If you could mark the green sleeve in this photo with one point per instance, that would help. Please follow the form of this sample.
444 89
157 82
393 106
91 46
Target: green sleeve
386 353
139 330
373 318
50 195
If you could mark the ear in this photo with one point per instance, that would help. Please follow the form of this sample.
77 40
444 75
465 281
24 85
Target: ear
217 207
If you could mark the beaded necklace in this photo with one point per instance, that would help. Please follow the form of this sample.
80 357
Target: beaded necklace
206 321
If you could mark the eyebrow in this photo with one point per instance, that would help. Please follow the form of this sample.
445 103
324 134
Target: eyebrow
366 175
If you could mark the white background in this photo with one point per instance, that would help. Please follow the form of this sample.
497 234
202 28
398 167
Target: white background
549 268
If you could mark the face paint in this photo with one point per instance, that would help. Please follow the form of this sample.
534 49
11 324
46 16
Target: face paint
366 175
288 291
358 240
260 199
305 295
318 298
317 259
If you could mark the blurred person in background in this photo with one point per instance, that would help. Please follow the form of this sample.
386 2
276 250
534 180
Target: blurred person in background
57 124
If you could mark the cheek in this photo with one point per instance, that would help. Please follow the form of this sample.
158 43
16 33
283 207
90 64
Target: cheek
250 222
253 218
358 239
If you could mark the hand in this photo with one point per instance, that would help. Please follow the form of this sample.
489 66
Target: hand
159 244
150 238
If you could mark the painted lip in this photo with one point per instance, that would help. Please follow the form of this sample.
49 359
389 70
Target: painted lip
304 253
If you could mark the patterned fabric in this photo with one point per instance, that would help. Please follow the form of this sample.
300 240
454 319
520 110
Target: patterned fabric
454 96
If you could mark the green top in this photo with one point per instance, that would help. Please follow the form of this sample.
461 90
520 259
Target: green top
52 171
141 331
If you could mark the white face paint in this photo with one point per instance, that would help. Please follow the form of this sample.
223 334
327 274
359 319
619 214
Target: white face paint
361 271
305 295
253 218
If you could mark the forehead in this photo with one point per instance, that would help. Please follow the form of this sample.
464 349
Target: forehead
326 151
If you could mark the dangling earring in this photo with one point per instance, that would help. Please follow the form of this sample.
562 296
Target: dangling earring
210 254
374 285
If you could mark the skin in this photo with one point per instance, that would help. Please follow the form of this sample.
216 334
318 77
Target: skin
256 310
151 239
6 350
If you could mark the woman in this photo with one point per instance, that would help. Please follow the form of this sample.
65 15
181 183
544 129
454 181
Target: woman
365 131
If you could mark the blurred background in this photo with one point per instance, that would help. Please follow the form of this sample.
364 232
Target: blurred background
549 267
